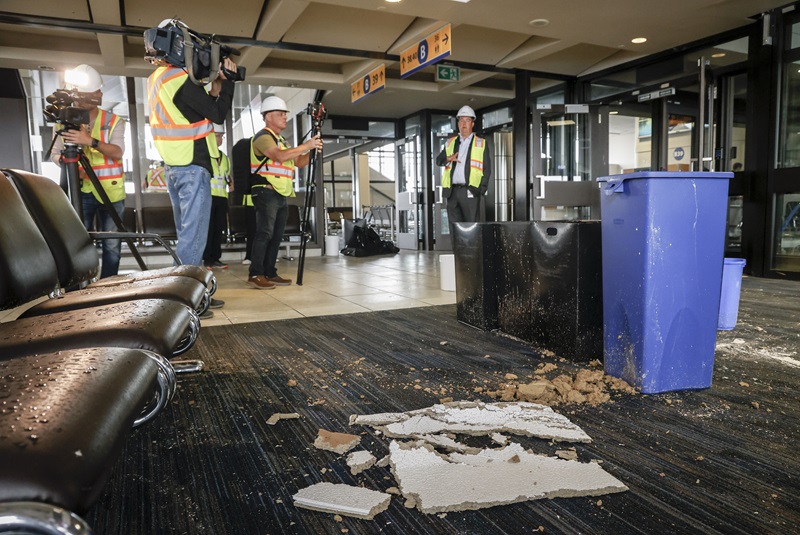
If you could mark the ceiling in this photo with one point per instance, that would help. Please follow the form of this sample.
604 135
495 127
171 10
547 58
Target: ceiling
329 44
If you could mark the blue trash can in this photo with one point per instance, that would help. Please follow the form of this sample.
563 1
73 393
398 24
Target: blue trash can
663 240
731 290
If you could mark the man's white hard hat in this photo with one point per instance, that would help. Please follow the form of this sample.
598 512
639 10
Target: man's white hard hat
273 104
84 78
219 128
466 111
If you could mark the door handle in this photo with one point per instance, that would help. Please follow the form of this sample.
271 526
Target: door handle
439 195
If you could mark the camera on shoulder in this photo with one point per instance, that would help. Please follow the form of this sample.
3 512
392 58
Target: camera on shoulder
175 43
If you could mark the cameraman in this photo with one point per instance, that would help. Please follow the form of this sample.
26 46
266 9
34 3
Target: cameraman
181 121
276 184
103 141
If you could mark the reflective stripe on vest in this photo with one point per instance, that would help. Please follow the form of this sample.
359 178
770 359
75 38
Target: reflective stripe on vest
475 162
173 134
110 172
279 175
222 170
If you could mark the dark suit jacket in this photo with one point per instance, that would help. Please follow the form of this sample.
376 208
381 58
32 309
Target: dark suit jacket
441 160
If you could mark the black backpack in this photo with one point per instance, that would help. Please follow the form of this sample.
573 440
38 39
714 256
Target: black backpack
240 167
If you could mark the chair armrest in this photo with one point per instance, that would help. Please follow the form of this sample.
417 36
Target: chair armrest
136 236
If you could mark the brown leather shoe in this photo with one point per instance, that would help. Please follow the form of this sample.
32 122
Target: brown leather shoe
260 282
279 281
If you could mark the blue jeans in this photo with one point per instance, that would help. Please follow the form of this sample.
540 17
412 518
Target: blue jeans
112 249
190 191
271 214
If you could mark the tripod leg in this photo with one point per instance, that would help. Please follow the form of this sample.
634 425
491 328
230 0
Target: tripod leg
87 167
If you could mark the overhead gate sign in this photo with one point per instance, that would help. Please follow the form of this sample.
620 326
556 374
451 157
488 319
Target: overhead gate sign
428 51
371 83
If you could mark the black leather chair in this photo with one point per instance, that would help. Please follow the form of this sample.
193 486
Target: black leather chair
77 407
72 246
76 257
28 271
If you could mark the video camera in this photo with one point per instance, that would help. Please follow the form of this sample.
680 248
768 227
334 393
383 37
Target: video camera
318 113
174 42
62 108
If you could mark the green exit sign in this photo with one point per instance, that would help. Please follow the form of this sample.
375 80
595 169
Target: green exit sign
448 73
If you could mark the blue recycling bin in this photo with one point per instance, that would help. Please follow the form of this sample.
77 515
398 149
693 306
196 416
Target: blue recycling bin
663 240
731 290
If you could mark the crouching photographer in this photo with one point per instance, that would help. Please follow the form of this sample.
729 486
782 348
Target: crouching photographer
102 138
182 117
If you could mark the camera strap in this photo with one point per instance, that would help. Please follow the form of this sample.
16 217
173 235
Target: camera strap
188 48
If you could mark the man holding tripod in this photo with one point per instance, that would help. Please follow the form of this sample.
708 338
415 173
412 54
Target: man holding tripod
103 142
274 163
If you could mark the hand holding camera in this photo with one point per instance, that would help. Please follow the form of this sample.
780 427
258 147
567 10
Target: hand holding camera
77 136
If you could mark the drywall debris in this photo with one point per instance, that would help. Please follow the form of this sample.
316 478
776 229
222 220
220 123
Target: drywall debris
500 438
446 442
282 416
476 418
568 454
345 500
358 461
459 482
384 462
336 442
588 386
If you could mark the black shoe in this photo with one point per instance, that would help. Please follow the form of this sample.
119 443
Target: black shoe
207 315
216 303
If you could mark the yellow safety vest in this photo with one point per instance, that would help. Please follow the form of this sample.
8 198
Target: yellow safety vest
156 181
222 173
173 134
475 162
247 200
279 175
108 171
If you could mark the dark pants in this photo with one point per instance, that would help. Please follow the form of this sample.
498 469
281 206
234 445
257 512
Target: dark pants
217 227
249 230
112 249
462 208
271 213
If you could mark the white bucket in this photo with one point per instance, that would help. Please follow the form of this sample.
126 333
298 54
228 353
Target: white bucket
331 245
447 272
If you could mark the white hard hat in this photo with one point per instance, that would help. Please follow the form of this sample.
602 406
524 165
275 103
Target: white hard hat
84 79
273 104
219 128
466 111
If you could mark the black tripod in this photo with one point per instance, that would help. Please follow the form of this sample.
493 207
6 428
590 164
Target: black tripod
71 156
317 113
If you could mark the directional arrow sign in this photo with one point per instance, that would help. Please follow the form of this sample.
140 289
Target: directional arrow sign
371 83
430 50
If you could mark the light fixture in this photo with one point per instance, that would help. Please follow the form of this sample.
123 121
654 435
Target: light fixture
639 40
539 23
392 1
613 113
46 68
718 55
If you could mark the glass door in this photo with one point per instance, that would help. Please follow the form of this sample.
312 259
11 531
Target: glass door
409 210
563 189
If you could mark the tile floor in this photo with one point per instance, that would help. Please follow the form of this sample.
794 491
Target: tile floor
331 285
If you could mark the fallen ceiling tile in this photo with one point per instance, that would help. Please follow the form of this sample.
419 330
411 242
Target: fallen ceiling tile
477 418
342 499
459 482
443 441
358 461
282 416
336 442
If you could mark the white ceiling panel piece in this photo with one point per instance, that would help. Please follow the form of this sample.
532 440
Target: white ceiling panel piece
483 45
573 60
62 9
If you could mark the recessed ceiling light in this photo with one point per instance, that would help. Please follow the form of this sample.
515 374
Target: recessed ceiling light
46 68
539 23
718 55
392 1
639 40
613 113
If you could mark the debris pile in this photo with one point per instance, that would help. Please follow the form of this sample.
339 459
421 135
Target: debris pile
591 387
